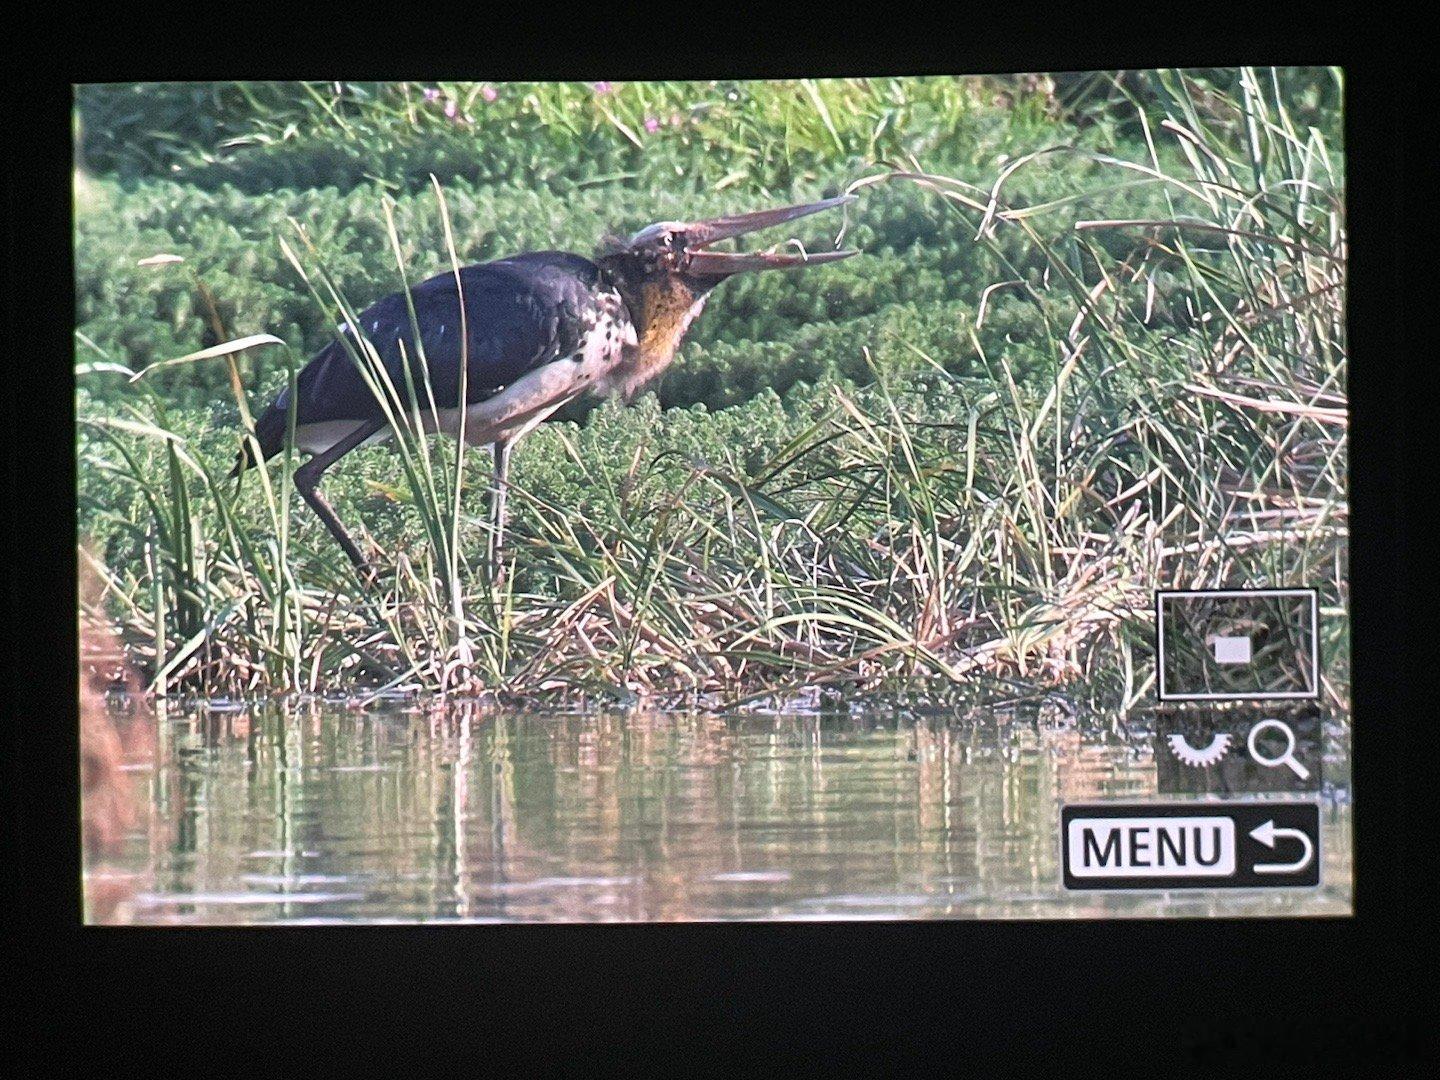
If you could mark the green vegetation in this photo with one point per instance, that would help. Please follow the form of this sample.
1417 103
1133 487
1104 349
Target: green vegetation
1095 345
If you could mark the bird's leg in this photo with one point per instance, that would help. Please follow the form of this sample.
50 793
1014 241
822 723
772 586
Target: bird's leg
307 479
497 506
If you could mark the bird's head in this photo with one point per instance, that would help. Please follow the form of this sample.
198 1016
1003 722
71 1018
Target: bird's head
665 272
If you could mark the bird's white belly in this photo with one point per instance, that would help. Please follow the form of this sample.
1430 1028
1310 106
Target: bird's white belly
517 408
533 397
507 415
318 437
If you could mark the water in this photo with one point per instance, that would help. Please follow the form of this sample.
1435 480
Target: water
324 815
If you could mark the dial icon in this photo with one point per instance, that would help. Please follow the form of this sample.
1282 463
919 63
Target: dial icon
1205 756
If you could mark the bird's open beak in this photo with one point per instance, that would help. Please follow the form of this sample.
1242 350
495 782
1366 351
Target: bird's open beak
701 234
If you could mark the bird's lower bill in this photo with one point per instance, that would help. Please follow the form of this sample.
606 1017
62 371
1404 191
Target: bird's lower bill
702 262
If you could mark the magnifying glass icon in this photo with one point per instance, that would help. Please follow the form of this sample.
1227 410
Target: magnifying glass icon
1286 757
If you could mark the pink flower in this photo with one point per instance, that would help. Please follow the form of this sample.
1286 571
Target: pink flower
450 109
604 87
676 119
651 124
489 93
431 94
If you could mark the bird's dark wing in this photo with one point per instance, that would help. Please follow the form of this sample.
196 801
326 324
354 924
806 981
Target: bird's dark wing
520 313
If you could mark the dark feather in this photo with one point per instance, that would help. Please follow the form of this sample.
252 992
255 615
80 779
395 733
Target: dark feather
520 313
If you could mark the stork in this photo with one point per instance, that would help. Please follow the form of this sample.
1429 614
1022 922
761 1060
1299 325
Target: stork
533 331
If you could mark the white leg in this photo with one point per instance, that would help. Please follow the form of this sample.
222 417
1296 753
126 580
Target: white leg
497 505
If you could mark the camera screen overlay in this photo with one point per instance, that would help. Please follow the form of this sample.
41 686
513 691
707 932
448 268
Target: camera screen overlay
774 500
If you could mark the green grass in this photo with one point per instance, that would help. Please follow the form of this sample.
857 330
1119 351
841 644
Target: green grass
1095 346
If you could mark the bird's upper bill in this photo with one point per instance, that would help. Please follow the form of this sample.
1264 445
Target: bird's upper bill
688 243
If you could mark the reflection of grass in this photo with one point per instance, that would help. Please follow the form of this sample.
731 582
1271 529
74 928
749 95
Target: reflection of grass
1179 422
457 808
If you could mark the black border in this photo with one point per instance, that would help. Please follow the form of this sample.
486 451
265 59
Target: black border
1171 994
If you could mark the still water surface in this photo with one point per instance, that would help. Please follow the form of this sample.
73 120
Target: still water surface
322 814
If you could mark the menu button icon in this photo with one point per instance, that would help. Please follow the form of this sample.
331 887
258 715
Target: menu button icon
1256 845
1141 847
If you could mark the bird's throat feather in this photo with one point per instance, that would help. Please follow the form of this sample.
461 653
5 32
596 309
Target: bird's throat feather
667 310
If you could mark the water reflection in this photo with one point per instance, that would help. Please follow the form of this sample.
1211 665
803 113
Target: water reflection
323 814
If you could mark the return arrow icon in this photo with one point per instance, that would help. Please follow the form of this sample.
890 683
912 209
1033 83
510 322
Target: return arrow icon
1267 834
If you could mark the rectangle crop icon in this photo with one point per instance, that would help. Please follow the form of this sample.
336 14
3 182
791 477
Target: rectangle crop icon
1237 645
